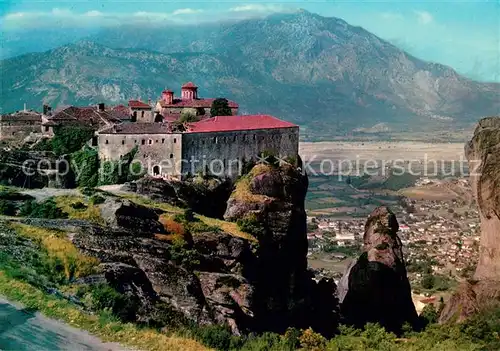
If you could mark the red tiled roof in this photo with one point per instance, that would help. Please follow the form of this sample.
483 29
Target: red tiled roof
189 85
138 104
235 123
87 115
205 103
120 112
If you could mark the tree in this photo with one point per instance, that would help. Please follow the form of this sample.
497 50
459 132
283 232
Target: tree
428 281
220 107
189 115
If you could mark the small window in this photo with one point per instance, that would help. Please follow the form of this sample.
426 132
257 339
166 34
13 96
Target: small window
150 141
135 141
163 141
107 142
142 114
156 141
254 137
235 138
46 128
175 140
215 140
143 142
123 142
171 155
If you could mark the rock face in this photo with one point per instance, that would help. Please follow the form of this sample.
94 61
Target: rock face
204 196
34 169
271 202
376 287
256 284
483 154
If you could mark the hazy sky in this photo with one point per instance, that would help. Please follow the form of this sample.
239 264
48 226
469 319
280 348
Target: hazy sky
462 34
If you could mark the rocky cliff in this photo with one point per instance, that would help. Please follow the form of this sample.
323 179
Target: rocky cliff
170 264
375 288
483 154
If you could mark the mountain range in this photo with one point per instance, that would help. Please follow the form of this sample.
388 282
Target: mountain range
322 73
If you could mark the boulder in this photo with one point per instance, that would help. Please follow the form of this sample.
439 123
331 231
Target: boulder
375 288
126 214
206 196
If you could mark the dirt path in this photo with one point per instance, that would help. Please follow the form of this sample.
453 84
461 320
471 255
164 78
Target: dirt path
45 193
21 330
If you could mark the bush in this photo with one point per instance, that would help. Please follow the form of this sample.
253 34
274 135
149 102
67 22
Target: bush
105 297
47 209
7 208
429 314
250 224
85 165
69 139
97 199
218 337
309 340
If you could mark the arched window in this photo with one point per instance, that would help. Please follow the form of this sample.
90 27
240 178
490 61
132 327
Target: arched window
156 170
107 142
123 142
134 117
171 155
142 114
158 118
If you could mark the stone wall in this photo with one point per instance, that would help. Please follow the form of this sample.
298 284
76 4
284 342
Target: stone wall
18 129
221 153
159 153
142 115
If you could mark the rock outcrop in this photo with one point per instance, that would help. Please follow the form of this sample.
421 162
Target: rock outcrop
206 196
375 288
269 201
35 169
483 154
259 283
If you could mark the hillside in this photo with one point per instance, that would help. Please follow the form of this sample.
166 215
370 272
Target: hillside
320 72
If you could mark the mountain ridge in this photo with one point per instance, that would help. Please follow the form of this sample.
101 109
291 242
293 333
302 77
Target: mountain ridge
322 73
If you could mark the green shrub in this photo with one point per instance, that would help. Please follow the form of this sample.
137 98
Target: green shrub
7 208
218 337
105 297
97 199
429 314
85 165
428 281
69 139
47 209
251 225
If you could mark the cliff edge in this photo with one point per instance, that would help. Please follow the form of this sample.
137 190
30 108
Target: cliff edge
483 155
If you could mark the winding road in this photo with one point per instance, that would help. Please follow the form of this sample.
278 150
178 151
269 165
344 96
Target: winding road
24 330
